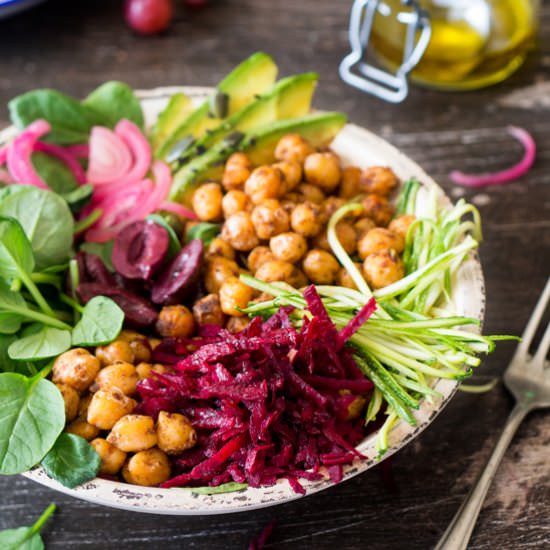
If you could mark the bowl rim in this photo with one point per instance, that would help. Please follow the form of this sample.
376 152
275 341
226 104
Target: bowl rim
181 501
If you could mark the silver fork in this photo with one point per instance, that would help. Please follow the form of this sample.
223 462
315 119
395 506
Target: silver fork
528 379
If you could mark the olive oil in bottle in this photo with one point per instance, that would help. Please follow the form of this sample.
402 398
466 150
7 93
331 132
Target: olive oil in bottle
473 43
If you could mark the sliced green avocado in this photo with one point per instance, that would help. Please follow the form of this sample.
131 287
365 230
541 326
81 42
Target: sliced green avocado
289 97
319 128
250 78
176 112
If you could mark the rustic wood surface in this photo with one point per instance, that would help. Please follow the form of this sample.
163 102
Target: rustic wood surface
74 46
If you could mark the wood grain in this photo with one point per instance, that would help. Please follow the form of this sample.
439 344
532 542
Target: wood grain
74 46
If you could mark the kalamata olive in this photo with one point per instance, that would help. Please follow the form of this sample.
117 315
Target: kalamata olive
96 272
139 249
138 311
179 279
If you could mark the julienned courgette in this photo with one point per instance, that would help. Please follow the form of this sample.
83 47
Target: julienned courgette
259 144
253 76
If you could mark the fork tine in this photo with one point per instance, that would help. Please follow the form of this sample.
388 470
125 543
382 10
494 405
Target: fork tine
540 357
534 320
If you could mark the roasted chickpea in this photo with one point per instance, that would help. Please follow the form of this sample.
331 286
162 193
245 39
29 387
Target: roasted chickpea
331 205
219 247
175 321
346 236
237 170
138 343
119 350
120 375
323 170
207 202
288 247
321 267
383 268
269 219
175 433
81 427
311 193
293 147
76 368
207 311
217 271
344 278
107 407
146 370
71 400
147 468
363 226
265 182
112 459
235 201
84 404
401 224
378 209
236 324
306 219
133 433
259 256
350 182
292 172
379 239
379 180
238 230
235 294
277 270
288 206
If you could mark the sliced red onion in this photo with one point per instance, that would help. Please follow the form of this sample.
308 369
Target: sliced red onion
3 154
19 154
504 176
140 149
80 151
62 154
110 157
178 209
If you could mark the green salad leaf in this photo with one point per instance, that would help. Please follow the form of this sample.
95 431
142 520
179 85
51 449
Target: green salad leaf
71 461
33 416
54 172
7 364
101 322
204 231
47 222
10 303
16 257
26 538
47 342
113 101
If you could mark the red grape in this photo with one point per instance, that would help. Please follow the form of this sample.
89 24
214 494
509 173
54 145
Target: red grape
148 16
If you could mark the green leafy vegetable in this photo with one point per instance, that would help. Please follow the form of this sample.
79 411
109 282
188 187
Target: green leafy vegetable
48 342
79 197
71 461
33 416
114 101
204 231
47 222
101 322
229 487
70 121
55 173
10 303
26 538
16 257
7 364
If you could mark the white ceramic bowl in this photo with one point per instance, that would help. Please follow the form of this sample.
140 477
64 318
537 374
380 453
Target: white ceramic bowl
358 146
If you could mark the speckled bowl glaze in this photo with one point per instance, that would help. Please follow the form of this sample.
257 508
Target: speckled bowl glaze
358 146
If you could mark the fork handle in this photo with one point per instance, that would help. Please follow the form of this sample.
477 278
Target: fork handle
458 534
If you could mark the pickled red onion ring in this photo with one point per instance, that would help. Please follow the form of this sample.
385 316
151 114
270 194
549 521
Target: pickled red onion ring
178 209
139 147
66 157
110 157
19 154
79 151
3 154
504 176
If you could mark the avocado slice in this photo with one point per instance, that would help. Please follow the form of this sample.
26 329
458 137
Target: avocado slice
176 112
319 128
289 97
251 77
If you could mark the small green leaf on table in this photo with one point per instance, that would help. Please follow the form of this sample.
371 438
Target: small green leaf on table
71 461
33 416
101 323
26 538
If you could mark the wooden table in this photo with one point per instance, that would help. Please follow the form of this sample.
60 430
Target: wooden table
73 46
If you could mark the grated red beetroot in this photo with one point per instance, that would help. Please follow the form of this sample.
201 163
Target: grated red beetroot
269 402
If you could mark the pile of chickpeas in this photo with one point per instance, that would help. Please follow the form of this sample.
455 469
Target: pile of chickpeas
275 226
99 391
